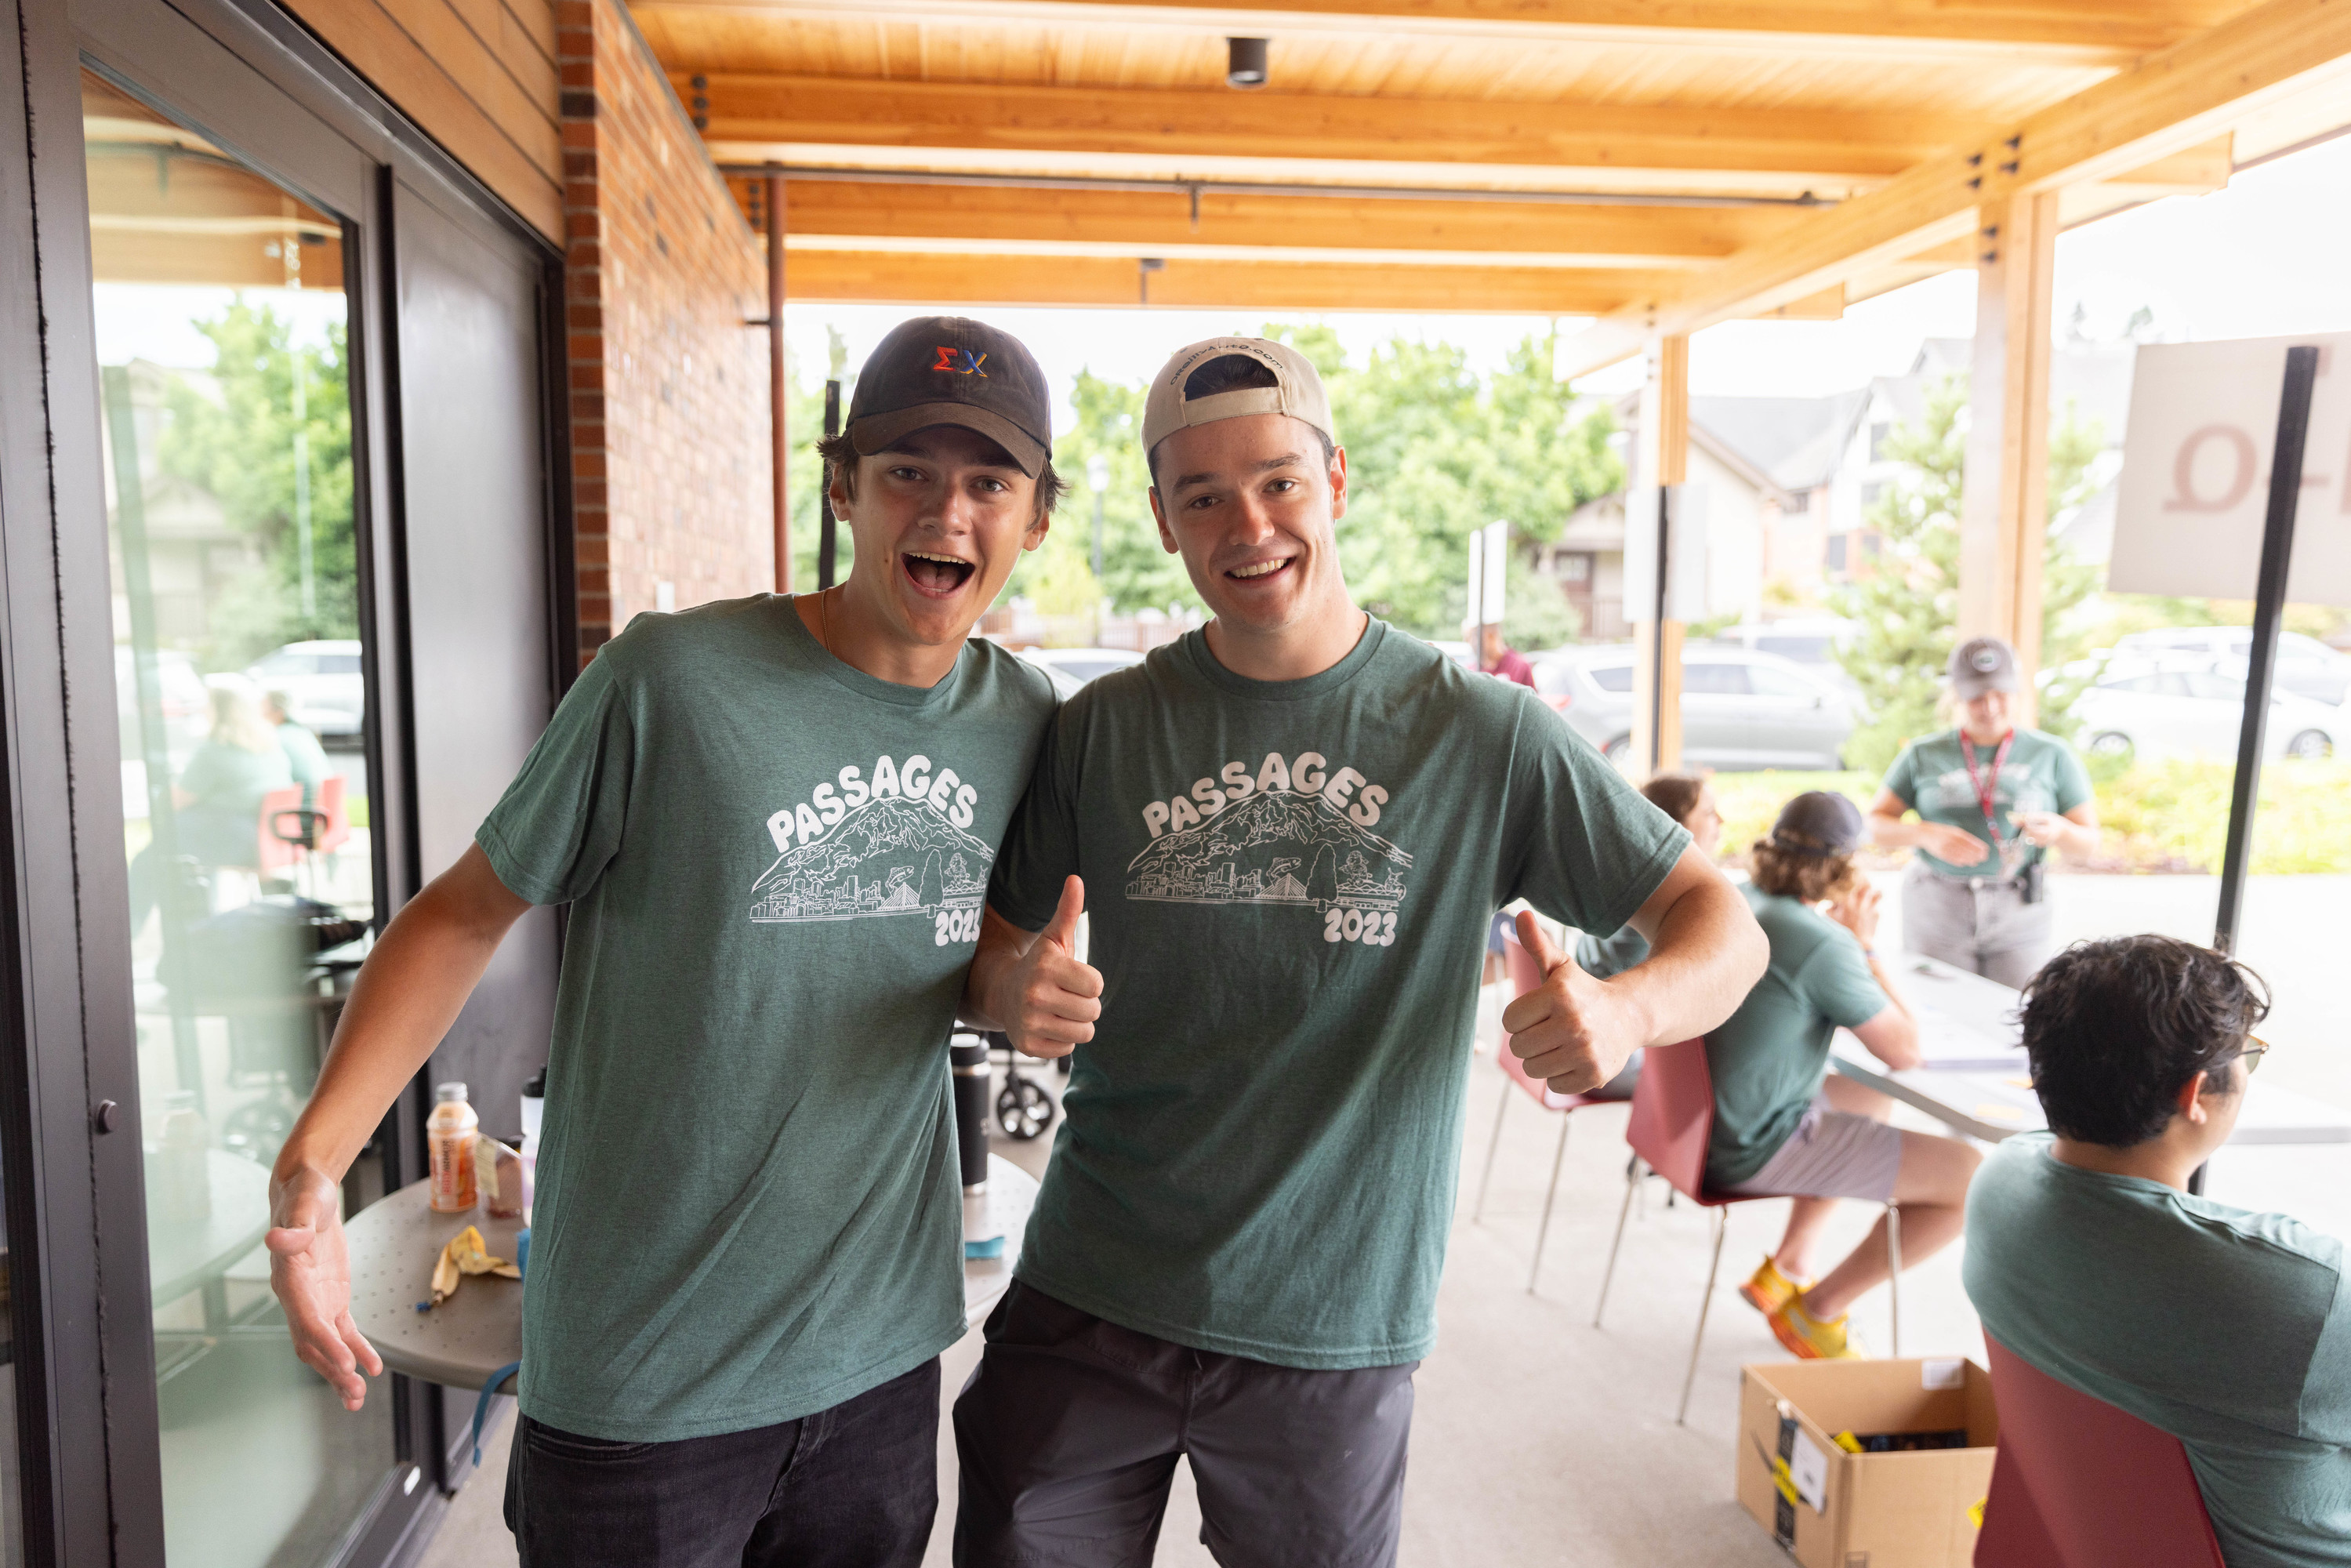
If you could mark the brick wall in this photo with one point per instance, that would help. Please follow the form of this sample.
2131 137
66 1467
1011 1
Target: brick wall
669 388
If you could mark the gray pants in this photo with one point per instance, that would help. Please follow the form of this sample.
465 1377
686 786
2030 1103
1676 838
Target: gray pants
1069 1430
1982 925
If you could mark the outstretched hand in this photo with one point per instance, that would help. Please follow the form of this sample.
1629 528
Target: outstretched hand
310 1271
1057 999
1575 1031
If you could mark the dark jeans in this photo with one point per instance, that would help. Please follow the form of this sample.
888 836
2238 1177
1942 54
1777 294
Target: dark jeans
1069 1431
852 1486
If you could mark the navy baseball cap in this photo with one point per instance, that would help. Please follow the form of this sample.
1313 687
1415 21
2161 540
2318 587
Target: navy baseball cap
1827 823
952 370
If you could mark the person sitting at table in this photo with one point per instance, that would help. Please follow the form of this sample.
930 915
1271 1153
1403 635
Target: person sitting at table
303 756
1783 1125
2088 1258
217 800
1687 798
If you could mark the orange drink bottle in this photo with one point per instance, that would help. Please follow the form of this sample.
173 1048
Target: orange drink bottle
449 1138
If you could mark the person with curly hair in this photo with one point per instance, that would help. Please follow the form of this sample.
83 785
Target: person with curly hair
1785 1126
2089 1259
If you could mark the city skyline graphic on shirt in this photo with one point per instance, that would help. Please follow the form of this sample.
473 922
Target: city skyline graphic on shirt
1279 847
890 856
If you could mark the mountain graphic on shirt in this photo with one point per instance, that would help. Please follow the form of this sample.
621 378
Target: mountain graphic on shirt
890 856
1276 847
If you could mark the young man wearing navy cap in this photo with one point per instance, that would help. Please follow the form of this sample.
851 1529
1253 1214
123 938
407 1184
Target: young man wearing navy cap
1292 828
774 820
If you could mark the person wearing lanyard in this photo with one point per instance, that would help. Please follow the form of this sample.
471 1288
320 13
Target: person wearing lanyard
1992 802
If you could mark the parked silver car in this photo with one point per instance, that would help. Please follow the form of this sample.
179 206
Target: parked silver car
1740 710
1071 668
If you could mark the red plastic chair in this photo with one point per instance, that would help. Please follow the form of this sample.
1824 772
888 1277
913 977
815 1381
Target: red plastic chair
336 810
283 830
1526 975
2080 1484
1673 1116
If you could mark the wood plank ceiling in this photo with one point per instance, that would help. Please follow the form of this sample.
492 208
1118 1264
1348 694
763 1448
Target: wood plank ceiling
1606 158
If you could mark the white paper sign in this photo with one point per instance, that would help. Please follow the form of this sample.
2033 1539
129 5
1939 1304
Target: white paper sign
1489 560
1942 1373
1808 1469
2196 471
1685 552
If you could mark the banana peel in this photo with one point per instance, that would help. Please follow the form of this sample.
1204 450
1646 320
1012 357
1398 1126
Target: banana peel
467 1254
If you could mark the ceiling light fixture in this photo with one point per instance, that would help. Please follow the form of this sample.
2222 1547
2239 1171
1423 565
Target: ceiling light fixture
1245 62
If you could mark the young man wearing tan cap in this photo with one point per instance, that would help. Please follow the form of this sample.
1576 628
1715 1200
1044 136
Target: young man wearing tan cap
1292 829
773 819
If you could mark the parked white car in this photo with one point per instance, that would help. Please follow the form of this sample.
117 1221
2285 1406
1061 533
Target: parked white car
322 680
2306 666
2182 707
1071 668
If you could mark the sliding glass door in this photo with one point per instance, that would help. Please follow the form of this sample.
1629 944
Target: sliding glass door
224 337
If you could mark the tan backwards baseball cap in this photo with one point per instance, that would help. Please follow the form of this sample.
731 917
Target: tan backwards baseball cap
1296 390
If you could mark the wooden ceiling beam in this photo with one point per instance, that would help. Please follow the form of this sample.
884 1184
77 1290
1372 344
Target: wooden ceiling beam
1832 148
842 216
935 278
2087 33
2166 105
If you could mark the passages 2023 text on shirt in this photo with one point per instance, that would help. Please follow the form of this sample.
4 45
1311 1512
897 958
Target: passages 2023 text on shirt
747 1207
1289 885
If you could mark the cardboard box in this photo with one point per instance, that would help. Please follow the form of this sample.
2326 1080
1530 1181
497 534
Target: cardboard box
1834 1509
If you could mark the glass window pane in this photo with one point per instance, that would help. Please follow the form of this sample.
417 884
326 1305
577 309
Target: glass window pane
1714 680
222 333
1613 677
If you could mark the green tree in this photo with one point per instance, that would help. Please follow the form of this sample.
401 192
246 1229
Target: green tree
1433 455
270 440
1905 613
1137 574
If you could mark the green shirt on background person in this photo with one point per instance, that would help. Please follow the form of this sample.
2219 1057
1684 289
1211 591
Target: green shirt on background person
1767 1059
2228 1329
1292 885
2041 773
305 758
748 1203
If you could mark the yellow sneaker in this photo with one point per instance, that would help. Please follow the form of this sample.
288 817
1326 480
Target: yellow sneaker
1809 1339
1768 1290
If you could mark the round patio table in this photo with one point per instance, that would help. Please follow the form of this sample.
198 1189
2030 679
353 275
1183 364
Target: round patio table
394 1242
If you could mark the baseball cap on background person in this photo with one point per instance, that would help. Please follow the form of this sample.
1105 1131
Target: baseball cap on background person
951 369
1192 389
1982 665
1818 822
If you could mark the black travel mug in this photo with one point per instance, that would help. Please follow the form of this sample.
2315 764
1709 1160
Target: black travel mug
967 1059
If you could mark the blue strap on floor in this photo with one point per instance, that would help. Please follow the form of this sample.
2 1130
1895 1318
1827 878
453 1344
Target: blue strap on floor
482 1406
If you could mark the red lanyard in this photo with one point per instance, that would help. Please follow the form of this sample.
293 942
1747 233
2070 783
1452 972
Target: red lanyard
1986 786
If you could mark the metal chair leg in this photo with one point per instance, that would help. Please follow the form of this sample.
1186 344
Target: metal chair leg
1492 1144
1894 1277
1632 1186
1542 1232
1721 1231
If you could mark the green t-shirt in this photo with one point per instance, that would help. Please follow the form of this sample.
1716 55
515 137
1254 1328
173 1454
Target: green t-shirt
222 826
2041 774
305 758
1607 957
1768 1058
1290 885
2230 1329
747 1205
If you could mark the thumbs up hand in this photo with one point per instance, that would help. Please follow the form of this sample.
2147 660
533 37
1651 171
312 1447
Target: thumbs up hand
1056 999
1573 1031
